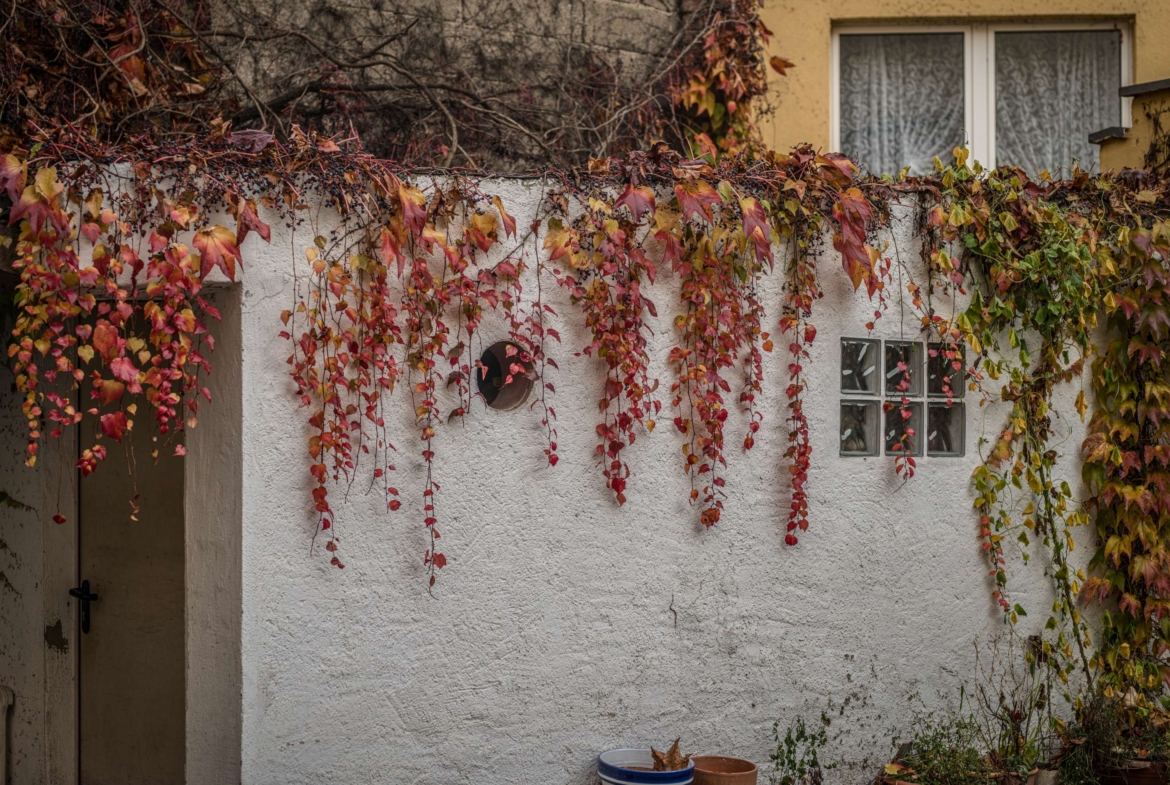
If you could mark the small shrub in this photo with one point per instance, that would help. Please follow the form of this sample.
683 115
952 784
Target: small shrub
795 761
1013 705
944 752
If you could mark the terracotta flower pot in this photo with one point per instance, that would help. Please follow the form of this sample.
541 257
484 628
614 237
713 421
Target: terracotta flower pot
720 770
1138 772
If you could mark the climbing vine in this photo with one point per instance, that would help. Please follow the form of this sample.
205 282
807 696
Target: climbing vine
1041 261
1127 455
114 247
120 349
394 294
1030 283
715 227
1033 299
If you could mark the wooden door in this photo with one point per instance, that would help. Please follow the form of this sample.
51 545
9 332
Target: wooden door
132 661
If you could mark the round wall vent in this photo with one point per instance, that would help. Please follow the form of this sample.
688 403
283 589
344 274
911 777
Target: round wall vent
501 360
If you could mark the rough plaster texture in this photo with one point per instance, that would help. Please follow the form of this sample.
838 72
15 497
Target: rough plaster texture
563 625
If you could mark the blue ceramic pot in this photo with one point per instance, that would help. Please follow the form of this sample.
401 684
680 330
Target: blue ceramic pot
629 767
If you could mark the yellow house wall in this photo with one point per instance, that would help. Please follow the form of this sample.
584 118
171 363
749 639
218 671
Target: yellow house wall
1131 151
803 34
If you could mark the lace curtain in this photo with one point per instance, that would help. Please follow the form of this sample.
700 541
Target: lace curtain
1052 89
901 99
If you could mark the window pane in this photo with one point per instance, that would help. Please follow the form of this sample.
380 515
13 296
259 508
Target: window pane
944 370
904 368
901 99
859 427
859 366
945 434
898 426
1053 89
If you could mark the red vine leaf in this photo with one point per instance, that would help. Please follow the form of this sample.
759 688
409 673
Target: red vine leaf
482 230
253 141
638 201
114 424
124 370
414 209
756 228
853 213
781 65
697 197
37 201
509 221
12 177
392 250
218 248
247 220
111 391
106 340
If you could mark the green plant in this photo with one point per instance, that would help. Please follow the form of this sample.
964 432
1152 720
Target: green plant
943 752
1092 743
1125 468
1076 765
1013 705
795 760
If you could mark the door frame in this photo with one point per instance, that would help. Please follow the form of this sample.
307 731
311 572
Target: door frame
213 587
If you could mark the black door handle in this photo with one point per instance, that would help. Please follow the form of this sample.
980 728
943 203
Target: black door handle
82 593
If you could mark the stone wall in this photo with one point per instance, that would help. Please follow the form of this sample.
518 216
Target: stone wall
534 60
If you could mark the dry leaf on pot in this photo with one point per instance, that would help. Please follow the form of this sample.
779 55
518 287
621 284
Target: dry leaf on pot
671 760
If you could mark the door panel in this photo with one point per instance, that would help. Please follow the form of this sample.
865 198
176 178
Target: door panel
132 661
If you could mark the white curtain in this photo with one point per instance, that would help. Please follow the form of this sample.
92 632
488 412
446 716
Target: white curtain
1053 89
901 99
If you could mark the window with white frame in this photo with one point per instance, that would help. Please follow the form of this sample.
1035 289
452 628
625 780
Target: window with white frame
888 388
1013 94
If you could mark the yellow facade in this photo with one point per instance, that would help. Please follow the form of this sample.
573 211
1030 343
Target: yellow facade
1130 150
803 34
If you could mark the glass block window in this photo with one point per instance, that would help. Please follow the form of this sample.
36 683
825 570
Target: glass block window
898 425
903 368
946 429
859 428
860 366
894 398
944 370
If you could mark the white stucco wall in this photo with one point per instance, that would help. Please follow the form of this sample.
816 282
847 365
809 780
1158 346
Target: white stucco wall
563 625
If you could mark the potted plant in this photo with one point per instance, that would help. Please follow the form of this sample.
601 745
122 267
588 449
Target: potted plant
943 751
1118 742
1013 710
